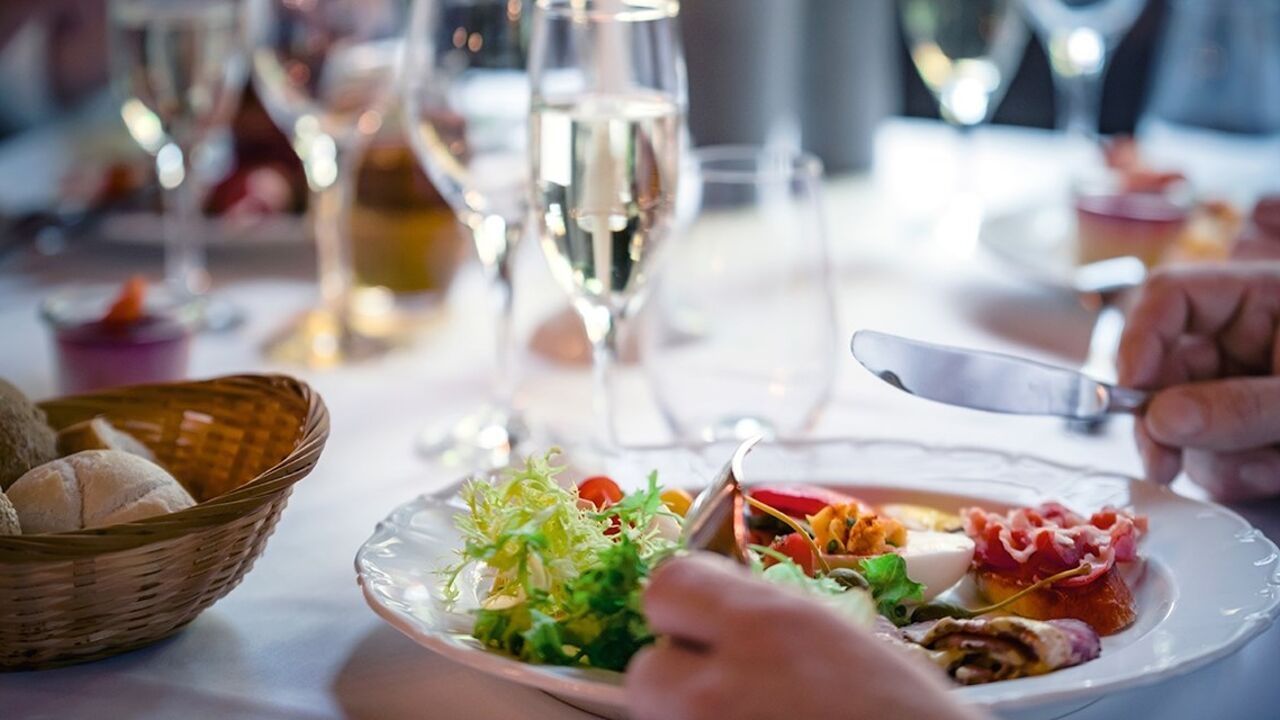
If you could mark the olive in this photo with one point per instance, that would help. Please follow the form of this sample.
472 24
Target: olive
937 611
849 578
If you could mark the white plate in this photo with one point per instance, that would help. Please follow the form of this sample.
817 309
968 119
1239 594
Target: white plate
1038 244
1212 581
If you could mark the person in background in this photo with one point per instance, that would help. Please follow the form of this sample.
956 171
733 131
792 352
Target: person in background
51 55
1205 340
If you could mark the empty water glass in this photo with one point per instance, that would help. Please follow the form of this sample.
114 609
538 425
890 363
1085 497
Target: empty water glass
739 335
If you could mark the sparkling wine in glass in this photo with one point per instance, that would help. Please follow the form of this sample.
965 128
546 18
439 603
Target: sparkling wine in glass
606 175
966 51
1080 36
178 67
606 132
466 103
325 70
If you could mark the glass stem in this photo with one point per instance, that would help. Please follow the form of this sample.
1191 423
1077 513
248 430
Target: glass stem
184 253
329 173
966 178
1080 97
601 327
495 240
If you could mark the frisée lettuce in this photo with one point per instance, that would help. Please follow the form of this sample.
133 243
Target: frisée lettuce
567 580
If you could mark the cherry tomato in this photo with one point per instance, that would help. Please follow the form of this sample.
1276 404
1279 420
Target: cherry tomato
677 500
600 491
795 547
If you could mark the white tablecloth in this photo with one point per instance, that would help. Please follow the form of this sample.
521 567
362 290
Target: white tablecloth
295 640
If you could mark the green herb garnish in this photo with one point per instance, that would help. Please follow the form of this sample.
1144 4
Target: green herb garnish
893 591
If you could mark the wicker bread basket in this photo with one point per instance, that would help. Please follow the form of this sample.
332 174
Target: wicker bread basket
237 443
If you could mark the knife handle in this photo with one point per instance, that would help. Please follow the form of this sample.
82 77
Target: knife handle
1126 400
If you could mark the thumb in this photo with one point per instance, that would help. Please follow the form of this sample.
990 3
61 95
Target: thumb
1233 414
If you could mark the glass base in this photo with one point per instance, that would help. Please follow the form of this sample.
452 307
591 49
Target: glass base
486 438
738 429
321 339
220 315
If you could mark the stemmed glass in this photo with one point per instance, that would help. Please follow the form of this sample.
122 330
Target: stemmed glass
608 104
1079 36
966 51
325 70
466 102
178 67
739 331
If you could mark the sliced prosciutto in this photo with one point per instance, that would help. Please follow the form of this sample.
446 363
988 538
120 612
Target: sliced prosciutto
1037 542
986 649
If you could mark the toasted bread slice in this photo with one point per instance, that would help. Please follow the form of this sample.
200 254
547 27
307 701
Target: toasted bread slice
1106 604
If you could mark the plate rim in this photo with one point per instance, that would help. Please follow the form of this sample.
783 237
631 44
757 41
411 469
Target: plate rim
1057 279
547 680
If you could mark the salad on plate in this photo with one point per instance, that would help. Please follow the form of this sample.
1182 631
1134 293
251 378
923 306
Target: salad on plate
985 594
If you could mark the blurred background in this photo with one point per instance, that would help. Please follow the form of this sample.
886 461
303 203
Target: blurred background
993 131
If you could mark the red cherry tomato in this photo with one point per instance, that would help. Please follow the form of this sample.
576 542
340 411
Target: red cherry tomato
795 547
600 491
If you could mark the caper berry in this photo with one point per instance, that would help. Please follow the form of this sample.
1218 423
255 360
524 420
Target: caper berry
849 578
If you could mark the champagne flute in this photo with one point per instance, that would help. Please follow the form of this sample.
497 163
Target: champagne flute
608 104
966 51
1079 36
466 102
178 67
325 70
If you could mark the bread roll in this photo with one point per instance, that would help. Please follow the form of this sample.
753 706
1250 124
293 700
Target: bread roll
25 440
98 434
93 489
8 517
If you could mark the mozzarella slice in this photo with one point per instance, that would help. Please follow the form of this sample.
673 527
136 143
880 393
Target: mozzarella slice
937 560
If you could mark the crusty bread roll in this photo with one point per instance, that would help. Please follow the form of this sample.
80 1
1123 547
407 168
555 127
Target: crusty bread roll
98 434
25 440
92 489
9 524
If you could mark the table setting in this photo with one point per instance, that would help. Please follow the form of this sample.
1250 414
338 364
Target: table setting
374 359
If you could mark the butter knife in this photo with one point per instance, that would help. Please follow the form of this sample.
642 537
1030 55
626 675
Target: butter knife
989 381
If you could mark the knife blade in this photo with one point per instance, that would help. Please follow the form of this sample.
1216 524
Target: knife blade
989 381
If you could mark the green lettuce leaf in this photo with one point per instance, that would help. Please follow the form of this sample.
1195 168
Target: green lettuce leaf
852 604
892 589
567 581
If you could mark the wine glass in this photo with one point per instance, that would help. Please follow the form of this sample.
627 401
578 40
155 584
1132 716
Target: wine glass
325 70
966 51
466 102
178 68
1079 36
739 335
608 103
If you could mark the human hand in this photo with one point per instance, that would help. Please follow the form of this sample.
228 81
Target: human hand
732 646
1205 340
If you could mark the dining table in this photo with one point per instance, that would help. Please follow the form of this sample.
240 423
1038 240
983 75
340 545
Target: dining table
296 640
